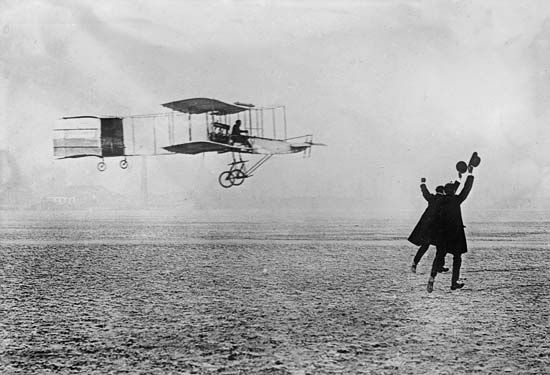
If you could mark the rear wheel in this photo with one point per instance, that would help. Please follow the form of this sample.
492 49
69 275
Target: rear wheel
124 164
225 179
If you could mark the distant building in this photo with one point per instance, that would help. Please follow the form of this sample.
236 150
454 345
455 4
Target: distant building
83 197
61 200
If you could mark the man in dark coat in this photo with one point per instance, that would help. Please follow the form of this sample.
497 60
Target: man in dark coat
448 234
422 232
237 134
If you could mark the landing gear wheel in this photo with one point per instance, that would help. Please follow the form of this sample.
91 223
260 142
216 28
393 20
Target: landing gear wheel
225 179
123 164
101 166
237 177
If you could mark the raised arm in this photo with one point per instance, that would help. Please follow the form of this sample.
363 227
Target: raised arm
425 192
466 189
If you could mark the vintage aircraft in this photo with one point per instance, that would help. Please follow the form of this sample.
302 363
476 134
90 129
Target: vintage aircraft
103 137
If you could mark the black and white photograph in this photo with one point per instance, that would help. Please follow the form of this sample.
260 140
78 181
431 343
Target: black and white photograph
291 187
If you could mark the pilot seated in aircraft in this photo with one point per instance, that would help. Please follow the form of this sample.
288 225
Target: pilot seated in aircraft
237 134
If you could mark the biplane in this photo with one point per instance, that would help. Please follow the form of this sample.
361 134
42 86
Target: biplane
193 126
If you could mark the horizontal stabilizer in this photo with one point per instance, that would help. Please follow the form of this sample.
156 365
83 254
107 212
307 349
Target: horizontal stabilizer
303 145
316 144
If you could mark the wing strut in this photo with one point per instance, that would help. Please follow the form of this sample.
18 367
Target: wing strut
238 172
259 163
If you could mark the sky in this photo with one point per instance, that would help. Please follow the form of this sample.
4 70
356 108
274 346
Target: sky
398 90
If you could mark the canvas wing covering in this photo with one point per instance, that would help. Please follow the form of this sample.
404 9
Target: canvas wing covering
204 105
82 136
77 137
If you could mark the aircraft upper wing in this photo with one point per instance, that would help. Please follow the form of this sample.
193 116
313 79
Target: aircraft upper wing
204 105
200 147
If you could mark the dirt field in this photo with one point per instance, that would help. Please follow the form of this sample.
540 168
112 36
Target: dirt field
171 296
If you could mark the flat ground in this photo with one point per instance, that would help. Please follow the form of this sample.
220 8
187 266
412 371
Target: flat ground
170 295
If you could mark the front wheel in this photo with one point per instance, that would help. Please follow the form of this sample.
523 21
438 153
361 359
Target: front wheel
237 176
124 164
101 166
225 179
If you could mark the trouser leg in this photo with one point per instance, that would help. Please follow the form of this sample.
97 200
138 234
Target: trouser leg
439 260
420 253
457 262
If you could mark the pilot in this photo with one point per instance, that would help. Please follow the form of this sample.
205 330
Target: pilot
236 134
236 130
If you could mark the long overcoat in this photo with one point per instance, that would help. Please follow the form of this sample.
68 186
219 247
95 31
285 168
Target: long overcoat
423 231
448 227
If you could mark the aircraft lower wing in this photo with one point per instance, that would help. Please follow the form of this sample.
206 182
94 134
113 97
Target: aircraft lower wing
200 147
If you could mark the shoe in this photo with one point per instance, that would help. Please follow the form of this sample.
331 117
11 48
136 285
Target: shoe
455 286
431 284
443 269
413 268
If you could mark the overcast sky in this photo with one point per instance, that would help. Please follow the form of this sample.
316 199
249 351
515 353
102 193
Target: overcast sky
398 90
